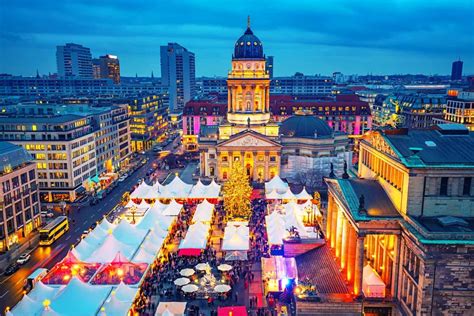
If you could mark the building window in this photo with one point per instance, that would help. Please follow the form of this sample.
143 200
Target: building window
224 159
212 156
211 171
443 189
272 158
236 158
466 189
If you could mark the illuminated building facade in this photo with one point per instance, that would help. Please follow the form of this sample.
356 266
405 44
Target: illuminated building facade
460 109
74 60
107 66
63 147
343 113
19 199
410 216
148 120
247 136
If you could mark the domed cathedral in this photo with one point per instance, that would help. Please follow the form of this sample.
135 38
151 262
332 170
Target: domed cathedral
248 86
247 136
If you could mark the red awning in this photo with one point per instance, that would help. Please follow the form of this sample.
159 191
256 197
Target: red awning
257 194
189 252
232 311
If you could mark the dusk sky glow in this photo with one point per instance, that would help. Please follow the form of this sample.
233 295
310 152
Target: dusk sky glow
313 37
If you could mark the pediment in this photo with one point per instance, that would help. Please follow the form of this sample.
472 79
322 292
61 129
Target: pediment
249 140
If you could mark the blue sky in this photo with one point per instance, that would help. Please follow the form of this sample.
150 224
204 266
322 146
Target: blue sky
313 37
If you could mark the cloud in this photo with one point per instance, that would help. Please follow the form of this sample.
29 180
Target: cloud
371 34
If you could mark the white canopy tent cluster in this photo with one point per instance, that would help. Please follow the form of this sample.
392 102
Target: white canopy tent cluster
277 189
68 300
284 217
236 240
135 243
176 189
196 237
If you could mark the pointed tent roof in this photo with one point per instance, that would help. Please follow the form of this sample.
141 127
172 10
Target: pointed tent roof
173 208
106 225
67 301
108 250
203 212
287 195
131 204
125 293
236 238
143 204
154 216
175 308
177 188
115 307
157 186
143 256
272 195
42 291
27 306
120 258
141 191
201 190
303 195
276 183
84 250
128 233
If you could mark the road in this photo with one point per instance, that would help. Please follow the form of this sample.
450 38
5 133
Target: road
11 287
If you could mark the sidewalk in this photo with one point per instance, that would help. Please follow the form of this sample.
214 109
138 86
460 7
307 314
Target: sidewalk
27 245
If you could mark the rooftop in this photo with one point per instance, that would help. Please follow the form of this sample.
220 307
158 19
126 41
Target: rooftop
12 156
35 119
446 144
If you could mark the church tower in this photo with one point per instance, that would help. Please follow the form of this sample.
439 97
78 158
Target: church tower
248 86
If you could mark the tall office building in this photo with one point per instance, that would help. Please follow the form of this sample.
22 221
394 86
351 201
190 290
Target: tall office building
269 65
178 74
74 60
456 70
107 66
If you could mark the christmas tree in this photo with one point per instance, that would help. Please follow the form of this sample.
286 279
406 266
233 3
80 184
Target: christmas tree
237 192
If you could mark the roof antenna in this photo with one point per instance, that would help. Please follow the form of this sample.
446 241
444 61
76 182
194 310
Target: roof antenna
248 21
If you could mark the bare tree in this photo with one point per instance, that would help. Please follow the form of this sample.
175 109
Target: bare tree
311 179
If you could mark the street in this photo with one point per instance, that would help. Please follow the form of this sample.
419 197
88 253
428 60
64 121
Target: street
11 287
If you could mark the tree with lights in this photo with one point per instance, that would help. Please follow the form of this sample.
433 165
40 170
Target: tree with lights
237 192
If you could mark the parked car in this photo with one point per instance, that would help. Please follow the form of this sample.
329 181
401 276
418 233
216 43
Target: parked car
11 269
24 258
157 149
47 214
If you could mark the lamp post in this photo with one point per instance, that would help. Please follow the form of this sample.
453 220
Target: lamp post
133 210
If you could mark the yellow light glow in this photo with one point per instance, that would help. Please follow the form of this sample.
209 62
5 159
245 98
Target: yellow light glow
46 303
119 272
66 277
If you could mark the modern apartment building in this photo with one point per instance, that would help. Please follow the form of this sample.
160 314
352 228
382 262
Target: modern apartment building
74 60
19 200
300 84
70 144
107 66
178 73
148 119
71 86
460 109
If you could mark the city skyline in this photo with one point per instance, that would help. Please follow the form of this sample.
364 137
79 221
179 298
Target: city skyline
331 33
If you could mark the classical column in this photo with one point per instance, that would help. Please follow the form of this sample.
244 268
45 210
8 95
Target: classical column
242 158
359 265
396 262
340 218
334 226
351 253
267 99
266 161
329 217
345 237
229 98
254 166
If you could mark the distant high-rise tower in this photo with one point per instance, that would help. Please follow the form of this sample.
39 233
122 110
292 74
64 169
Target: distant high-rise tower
178 74
107 66
269 65
456 70
74 60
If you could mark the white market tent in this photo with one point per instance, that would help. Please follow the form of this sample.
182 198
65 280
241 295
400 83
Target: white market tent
27 306
120 300
141 191
171 309
202 191
236 238
196 237
372 283
280 195
68 300
276 230
204 212
173 208
272 195
128 234
176 189
277 184
303 195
